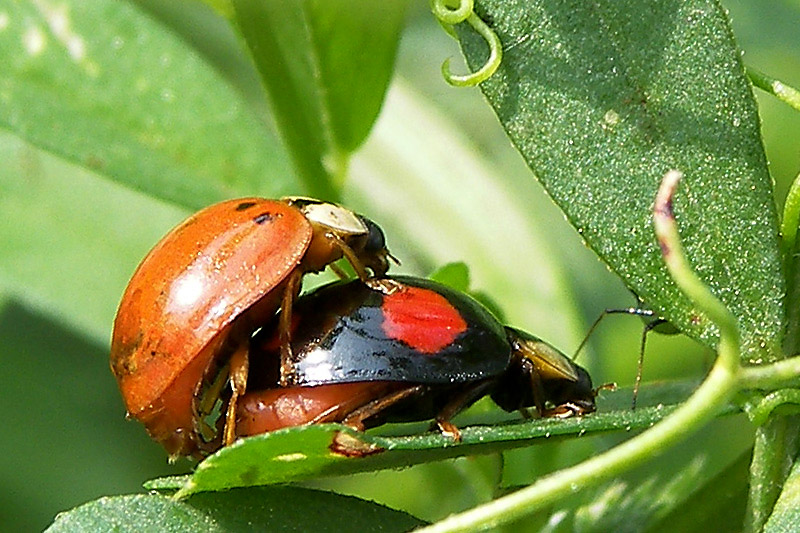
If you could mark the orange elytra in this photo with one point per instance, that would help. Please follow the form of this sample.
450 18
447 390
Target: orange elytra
202 291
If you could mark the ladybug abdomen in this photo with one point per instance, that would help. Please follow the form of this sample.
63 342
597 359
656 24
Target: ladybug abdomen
272 409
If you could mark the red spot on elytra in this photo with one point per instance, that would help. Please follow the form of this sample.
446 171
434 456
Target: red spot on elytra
422 319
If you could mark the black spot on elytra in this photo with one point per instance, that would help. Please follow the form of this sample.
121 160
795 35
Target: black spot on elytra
263 218
245 205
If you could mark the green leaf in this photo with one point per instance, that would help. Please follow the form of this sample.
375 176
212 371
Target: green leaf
55 382
70 252
255 509
718 504
223 7
695 489
602 99
325 65
110 90
208 29
449 485
454 275
300 453
786 514
100 137
307 452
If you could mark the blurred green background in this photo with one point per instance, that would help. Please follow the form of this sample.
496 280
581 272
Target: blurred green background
66 439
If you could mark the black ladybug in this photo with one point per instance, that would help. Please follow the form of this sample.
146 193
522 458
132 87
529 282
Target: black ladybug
414 351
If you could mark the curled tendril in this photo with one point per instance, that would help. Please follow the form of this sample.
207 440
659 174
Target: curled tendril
451 16
464 13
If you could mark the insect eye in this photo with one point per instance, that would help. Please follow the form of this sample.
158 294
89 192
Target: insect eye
376 241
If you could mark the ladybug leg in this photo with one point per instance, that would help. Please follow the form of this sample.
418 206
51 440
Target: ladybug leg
239 367
457 404
640 366
331 414
566 410
357 417
285 328
339 412
538 391
386 286
203 404
350 255
341 274
448 429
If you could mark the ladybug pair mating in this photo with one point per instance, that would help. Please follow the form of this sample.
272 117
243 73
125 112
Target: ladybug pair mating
199 325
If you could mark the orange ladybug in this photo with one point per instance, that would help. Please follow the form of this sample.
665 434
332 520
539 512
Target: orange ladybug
200 293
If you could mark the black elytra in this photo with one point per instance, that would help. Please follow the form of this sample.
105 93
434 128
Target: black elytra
421 333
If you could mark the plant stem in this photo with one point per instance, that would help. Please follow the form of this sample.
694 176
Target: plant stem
714 392
783 92
760 412
772 376
776 438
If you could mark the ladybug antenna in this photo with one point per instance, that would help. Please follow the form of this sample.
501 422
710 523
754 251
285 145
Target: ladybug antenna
636 311
648 327
588 334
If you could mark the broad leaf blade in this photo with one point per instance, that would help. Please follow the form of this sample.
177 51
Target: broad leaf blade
324 102
786 515
255 509
454 275
355 42
71 252
101 140
223 7
717 505
299 453
109 89
602 99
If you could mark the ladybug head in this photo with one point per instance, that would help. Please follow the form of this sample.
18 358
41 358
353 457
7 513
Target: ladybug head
361 235
374 253
570 398
541 376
